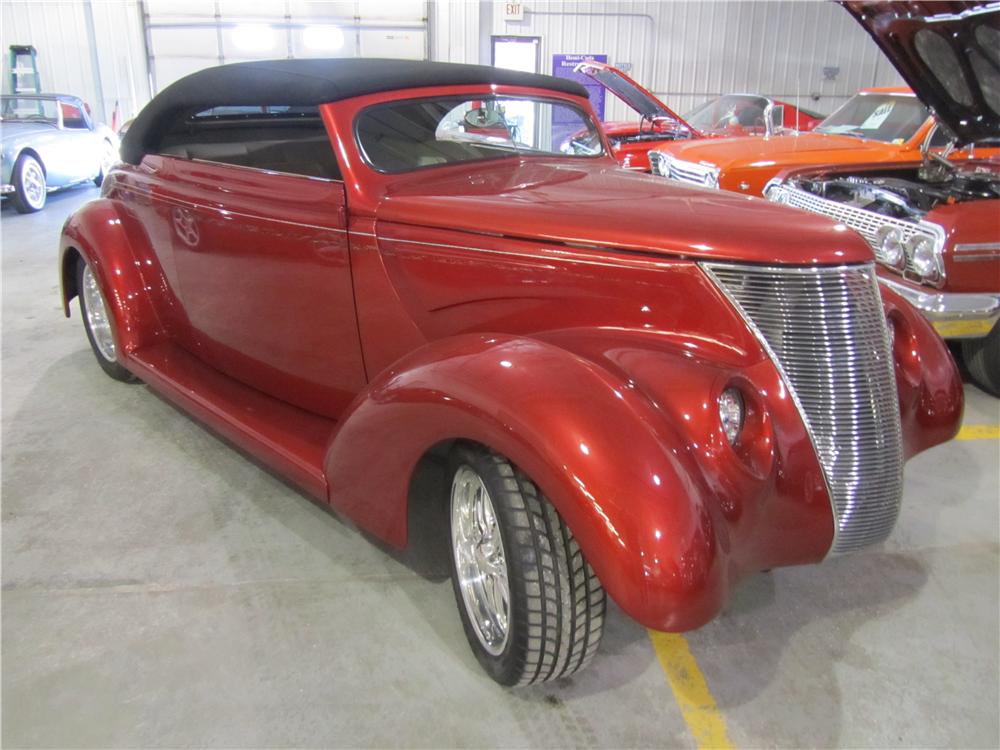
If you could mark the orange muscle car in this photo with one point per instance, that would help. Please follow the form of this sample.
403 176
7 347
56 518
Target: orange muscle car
878 125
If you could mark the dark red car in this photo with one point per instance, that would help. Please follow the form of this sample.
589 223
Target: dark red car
727 116
933 222
641 390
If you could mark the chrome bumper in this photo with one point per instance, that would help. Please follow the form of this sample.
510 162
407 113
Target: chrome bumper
954 315
5 189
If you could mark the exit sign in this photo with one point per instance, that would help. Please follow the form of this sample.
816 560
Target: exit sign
513 11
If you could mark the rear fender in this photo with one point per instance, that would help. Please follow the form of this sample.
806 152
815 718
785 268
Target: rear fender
97 233
622 477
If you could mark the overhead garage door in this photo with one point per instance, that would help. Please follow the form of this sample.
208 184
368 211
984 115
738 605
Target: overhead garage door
183 36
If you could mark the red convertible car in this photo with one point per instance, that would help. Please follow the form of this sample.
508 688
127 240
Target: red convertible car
933 223
642 390
728 116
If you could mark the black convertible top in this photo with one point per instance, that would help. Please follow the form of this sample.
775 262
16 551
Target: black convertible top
307 83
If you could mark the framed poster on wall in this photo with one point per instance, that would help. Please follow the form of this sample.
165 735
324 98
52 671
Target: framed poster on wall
563 67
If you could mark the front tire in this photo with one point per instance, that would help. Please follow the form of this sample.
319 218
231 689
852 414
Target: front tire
97 323
532 607
982 358
30 189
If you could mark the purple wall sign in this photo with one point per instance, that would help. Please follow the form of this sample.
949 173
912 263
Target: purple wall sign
562 67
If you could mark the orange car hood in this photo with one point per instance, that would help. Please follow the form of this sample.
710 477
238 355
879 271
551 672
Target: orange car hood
783 150
595 203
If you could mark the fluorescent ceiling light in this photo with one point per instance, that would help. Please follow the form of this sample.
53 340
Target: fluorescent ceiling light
253 37
323 38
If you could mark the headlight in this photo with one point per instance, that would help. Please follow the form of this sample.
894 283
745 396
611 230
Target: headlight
731 413
776 195
889 241
924 257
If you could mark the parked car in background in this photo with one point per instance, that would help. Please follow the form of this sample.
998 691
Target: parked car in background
632 400
933 223
880 125
722 117
735 115
47 142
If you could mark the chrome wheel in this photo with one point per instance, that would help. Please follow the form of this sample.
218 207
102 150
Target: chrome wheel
98 319
479 559
32 183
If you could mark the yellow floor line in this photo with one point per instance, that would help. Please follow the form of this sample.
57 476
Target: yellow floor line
979 432
697 705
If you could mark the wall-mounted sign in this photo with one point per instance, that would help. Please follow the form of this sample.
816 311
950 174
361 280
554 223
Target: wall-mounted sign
513 11
562 67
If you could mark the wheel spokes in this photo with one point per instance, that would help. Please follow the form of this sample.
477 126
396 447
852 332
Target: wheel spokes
479 559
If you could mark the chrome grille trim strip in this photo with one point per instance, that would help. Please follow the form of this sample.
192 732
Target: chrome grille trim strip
825 330
865 223
688 172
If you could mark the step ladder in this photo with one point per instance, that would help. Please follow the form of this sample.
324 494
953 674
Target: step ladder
24 78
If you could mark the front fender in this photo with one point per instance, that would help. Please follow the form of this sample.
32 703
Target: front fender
98 233
623 476
931 396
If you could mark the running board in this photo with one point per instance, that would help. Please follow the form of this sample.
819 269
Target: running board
290 440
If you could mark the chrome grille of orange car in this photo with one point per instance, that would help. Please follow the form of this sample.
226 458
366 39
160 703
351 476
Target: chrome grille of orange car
865 223
664 165
825 329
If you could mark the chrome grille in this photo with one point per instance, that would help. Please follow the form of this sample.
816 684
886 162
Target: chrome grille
657 164
865 223
682 171
825 329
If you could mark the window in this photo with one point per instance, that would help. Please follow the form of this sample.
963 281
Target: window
729 112
29 109
403 136
280 139
72 116
890 118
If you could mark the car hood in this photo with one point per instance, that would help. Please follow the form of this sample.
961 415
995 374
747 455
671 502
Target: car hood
943 51
782 150
594 203
630 92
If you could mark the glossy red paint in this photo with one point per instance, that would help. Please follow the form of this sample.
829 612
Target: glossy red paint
321 324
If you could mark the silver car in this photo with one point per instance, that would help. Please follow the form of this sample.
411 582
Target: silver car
47 142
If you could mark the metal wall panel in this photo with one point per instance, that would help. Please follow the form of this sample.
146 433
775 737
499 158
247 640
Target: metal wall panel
184 37
688 51
109 68
684 51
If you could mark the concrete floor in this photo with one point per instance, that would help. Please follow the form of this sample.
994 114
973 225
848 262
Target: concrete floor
159 589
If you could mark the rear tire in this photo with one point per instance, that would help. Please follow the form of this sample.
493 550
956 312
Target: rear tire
97 322
554 613
982 358
30 189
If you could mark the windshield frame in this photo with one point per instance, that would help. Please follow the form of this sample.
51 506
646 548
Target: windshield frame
914 139
459 98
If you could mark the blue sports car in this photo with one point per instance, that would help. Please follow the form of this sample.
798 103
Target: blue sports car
47 142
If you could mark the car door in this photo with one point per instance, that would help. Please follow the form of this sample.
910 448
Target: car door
78 159
248 221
